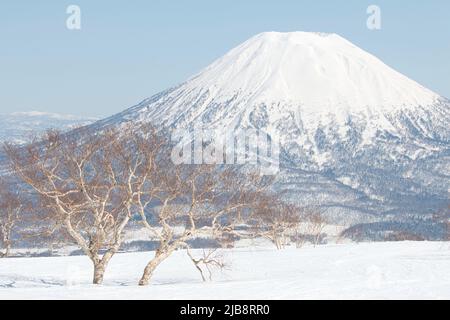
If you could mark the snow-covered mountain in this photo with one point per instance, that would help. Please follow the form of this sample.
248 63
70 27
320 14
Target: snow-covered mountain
19 127
320 79
357 137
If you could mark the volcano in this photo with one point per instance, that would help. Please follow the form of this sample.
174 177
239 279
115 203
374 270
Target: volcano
358 139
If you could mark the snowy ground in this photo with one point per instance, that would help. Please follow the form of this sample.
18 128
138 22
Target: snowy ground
406 270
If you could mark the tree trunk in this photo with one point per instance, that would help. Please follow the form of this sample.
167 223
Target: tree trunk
99 272
7 244
7 249
277 240
196 264
152 265
101 264
278 243
199 270
317 240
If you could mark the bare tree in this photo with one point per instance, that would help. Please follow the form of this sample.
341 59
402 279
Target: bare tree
11 207
194 200
88 183
275 219
443 217
316 225
210 260
447 222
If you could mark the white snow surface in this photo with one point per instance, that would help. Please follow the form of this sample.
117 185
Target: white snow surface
400 270
322 72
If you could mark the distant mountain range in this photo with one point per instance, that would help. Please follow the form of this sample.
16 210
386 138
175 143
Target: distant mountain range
19 127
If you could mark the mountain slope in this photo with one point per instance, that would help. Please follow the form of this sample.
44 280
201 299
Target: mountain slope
357 137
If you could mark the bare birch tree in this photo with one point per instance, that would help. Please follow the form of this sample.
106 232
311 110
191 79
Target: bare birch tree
443 217
11 206
195 200
275 220
316 225
207 262
88 183
311 228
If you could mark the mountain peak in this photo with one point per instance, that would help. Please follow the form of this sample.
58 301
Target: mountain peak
318 77
293 35
320 71
296 37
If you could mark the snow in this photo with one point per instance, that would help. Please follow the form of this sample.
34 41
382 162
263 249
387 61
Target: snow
322 72
335 109
400 270
293 84
321 78
296 82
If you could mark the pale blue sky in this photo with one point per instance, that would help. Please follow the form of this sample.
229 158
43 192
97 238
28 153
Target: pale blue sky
129 50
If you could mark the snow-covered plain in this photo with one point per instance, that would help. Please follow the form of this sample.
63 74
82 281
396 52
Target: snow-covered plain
400 270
